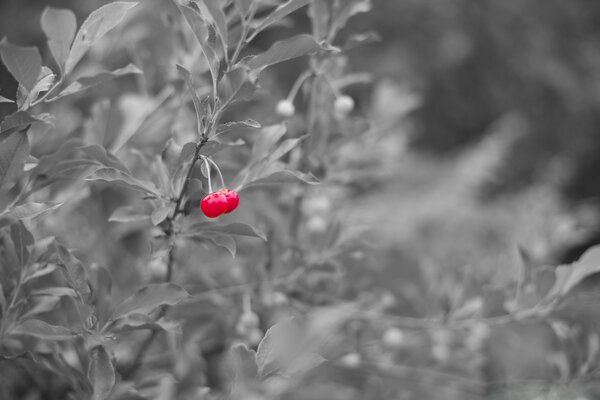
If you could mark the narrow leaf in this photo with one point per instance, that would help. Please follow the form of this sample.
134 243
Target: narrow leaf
101 373
201 112
18 120
200 30
13 152
59 25
234 228
149 298
97 24
43 330
31 210
24 63
123 179
280 177
235 85
296 46
87 82
279 13
21 238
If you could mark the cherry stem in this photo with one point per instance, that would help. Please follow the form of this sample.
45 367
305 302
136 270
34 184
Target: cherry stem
218 171
298 84
210 190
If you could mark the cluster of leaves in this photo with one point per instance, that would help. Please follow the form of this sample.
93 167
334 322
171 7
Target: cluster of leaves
57 313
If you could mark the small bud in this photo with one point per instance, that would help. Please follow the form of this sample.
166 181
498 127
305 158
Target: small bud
344 104
351 360
285 108
393 337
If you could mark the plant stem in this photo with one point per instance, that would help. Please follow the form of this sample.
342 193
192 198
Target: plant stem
139 357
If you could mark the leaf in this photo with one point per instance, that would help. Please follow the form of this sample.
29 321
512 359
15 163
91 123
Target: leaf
18 120
43 330
5 100
129 214
103 157
569 276
234 228
303 363
243 6
218 17
21 238
275 350
243 361
121 178
279 13
201 111
235 85
280 177
13 152
160 214
149 298
360 39
200 30
54 291
224 241
31 210
283 50
97 24
73 270
101 373
320 14
343 10
42 305
59 25
139 321
285 147
87 82
24 63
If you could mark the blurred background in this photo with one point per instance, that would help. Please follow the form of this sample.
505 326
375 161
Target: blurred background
485 151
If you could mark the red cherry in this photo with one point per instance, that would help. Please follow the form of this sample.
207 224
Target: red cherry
214 204
232 199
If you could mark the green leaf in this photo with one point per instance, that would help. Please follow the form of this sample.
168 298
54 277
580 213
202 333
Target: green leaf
101 373
296 46
44 83
149 298
121 178
30 210
87 82
281 177
343 10
276 349
219 19
320 13
201 111
569 276
97 24
221 240
235 85
130 214
74 271
59 25
24 63
20 119
200 29
5 100
234 228
243 6
21 238
103 157
243 361
13 153
161 213
279 13
43 330
139 321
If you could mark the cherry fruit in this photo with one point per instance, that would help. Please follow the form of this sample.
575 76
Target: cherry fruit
232 199
285 108
214 204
